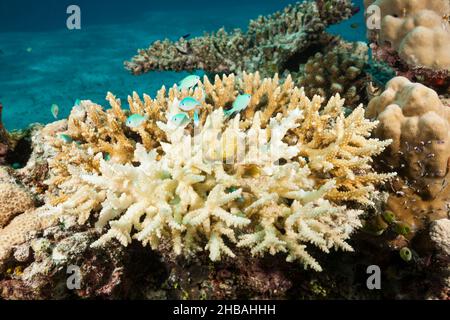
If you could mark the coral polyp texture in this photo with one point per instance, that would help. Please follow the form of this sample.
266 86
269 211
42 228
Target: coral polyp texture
417 30
270 44
13 201
280 176
417 121
414 37
339 70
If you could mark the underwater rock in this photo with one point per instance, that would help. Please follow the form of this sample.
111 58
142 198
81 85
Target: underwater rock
63 251
272 43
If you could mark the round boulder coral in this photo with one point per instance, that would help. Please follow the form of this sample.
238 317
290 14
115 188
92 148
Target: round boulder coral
13 200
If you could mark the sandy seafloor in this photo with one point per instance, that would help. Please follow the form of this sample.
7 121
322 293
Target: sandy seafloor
42 62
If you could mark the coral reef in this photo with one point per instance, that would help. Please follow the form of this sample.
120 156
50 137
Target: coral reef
181 188
270 45
20 229
339 70
417 30
43 267
268 177
414 117
13 200
414 39
438 80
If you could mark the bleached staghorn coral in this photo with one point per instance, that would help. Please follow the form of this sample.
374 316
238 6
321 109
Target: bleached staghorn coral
189 196
201 191
96 130
268 46
339 148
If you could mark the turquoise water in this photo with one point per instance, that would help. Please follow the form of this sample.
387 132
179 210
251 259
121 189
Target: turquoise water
42 62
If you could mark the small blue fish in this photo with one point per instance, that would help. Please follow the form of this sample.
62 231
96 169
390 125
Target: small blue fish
196 119
188 104
180 119
55 110
16 165
107 156
77 102
66 138
188 82
135 121
239 104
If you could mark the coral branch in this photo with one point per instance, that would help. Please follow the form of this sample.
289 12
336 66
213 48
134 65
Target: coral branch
279 176
268 46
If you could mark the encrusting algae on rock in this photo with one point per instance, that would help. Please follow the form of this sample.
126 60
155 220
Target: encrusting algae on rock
285 173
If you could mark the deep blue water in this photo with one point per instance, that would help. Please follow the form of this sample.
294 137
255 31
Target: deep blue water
42 62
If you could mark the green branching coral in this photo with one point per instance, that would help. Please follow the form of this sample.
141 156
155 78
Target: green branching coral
268 46
262 179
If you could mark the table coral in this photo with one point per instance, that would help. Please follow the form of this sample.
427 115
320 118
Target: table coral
414 117
248 179
269 45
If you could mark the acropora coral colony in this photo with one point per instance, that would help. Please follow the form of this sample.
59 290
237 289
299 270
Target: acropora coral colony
252 162
261 178
270 44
